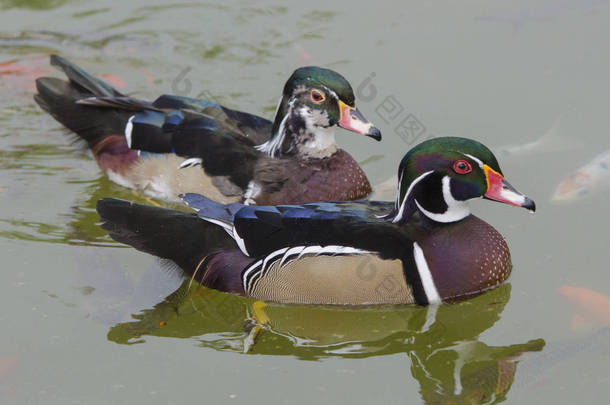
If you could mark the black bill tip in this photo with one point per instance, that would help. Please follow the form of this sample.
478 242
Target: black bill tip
529 204
374 133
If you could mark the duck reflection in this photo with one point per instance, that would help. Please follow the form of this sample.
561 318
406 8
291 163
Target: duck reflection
447 359
442 342
83 228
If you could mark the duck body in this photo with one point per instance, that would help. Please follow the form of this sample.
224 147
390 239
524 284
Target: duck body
417 250
327 253
161 147
343 253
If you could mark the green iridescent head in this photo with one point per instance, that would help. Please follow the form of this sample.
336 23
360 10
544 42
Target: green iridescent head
316 77
439 175
315 100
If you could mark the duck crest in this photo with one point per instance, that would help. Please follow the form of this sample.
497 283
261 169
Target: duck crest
431 183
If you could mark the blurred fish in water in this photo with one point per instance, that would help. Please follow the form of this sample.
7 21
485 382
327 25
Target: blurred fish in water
592 311
591 178
6 365
592 307
539 369
546 11
148 77
114 80
20 74
551 141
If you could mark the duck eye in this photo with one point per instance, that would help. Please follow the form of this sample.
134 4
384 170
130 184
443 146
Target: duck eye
317 96
462 167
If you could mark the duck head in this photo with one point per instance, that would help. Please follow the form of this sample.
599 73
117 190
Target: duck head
439 176
314 102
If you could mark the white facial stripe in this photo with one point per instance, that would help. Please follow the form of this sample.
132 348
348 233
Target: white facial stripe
331 93
456 210
401 210
479 161
272 146
398 192
128 129
425 275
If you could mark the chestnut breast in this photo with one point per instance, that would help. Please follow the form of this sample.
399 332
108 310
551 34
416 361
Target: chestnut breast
466 257
296 181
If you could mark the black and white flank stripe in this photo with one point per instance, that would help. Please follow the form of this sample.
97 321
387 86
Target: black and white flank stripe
257 270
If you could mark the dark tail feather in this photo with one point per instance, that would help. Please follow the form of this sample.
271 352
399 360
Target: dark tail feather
123 103
87 83
179 236
58 97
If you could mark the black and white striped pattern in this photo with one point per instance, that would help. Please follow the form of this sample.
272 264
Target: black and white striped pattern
190 163
425 275
128 130
257 270
401 206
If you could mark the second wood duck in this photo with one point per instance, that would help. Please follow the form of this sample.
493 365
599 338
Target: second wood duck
425 248
293 159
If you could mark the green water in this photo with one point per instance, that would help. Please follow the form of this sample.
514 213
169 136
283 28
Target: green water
86 320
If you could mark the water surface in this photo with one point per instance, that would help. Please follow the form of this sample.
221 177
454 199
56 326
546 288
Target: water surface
86 320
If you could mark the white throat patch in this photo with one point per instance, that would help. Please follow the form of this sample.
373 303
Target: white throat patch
322 144
456 210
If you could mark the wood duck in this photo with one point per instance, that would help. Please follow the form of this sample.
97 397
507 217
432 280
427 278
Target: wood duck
154 146
424 248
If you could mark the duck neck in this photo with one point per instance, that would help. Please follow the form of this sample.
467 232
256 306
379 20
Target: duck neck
430 196
437 203
297 135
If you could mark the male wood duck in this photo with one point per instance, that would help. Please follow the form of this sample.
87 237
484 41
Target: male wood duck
424 248
244 157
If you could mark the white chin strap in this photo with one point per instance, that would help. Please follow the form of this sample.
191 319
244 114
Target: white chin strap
456 210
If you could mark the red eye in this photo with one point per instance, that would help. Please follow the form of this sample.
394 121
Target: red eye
462 167
317 96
